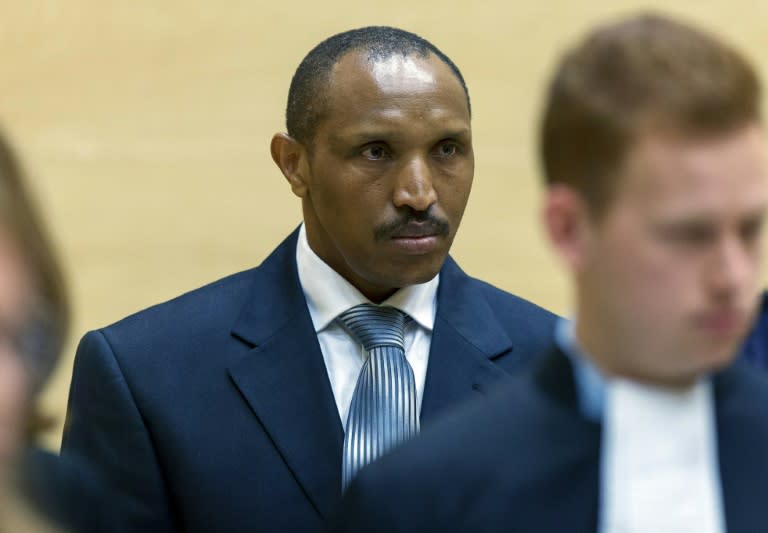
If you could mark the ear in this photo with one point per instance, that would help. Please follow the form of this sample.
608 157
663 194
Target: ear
291 157
568 224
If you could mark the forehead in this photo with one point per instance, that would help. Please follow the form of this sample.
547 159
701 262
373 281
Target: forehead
677 173
362 88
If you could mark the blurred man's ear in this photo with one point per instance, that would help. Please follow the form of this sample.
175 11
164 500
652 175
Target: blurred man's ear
567 223
291 157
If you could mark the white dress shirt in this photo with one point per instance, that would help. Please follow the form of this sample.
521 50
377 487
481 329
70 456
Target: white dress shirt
659 468
328 295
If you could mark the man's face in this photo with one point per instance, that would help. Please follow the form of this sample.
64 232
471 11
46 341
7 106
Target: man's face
389 171
670 274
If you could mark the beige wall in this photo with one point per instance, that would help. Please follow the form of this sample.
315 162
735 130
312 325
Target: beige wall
145 126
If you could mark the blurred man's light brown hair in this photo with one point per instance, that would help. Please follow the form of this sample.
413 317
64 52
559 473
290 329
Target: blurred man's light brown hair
643 74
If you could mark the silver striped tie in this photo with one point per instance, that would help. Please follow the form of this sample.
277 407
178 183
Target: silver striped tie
383 409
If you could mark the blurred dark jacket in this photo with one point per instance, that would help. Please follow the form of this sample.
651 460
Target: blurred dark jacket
527 460
755 349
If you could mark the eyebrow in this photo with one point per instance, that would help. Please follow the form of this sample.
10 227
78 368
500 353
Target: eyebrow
363 136
701 218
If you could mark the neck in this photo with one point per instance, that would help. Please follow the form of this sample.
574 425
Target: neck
615 361
321 246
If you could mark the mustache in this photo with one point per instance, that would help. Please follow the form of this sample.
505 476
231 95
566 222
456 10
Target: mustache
412 223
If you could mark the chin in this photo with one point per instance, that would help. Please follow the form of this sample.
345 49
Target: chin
422 276
718 359
407 281
412 271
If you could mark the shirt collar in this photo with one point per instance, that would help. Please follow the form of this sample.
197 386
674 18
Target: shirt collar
590 384
328 294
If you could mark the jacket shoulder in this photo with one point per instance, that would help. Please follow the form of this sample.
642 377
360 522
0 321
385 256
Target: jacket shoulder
504 301
218 301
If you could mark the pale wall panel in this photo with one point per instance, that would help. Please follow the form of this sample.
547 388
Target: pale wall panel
146 125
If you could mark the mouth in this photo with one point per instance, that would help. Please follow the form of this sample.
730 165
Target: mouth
415 235
723 323
416 238
416 244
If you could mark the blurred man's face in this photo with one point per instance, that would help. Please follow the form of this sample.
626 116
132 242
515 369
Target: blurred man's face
386 180
669 276
15 292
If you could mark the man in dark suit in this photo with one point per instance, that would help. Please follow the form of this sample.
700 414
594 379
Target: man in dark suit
225 409
636 421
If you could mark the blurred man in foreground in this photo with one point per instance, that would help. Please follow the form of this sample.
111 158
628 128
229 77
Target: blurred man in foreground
637 421
38 491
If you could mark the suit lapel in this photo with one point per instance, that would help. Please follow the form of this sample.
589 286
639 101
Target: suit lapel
570 446
284 381
465 339
553 376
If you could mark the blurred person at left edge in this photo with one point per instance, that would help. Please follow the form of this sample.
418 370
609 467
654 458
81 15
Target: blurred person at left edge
38 491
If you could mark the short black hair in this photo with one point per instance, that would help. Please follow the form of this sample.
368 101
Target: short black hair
307 94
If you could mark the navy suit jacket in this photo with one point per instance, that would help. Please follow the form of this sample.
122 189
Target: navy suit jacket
755 350
526 461
214 412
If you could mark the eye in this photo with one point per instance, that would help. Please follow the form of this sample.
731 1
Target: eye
688 234
751 230
447 149
374 152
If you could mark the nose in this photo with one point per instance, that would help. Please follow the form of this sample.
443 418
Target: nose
736 267
414 187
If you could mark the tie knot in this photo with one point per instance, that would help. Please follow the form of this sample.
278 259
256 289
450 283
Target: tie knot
373 325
